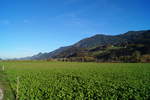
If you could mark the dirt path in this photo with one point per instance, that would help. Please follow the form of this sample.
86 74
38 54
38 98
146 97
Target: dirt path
1 94
1 87
5 89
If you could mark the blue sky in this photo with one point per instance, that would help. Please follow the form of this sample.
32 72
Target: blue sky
28 27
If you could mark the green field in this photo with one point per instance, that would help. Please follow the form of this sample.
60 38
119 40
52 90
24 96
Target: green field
41 80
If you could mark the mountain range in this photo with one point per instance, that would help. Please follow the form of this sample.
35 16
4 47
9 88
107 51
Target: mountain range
97 45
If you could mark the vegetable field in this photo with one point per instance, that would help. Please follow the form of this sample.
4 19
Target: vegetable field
41 80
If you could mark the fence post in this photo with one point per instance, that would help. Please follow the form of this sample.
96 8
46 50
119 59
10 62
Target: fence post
3 68
17 89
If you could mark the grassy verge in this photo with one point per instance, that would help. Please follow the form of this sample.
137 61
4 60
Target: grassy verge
4 85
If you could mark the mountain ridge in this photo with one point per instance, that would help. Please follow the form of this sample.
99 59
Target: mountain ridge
129 37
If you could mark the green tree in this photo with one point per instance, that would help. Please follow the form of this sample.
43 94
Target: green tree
136 56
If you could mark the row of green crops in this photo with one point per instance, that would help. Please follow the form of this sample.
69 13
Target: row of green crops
39 80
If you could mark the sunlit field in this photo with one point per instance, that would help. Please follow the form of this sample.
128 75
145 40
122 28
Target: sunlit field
41 80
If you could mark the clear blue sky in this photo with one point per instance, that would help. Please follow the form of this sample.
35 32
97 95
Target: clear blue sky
31 26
